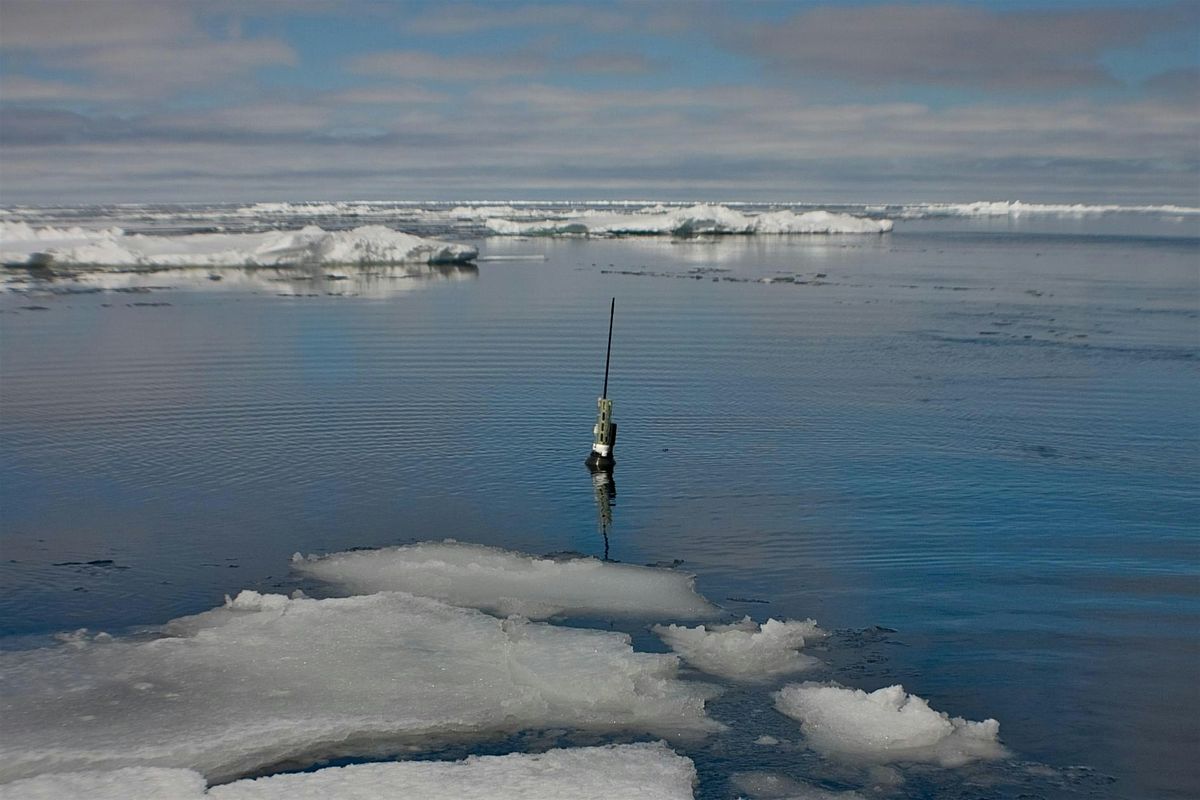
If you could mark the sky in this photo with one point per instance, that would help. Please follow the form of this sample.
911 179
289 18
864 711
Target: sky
246 100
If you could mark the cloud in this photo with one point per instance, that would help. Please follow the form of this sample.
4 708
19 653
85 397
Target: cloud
136 94
420 65
1183 82
24 89
388 95
35 25
130 49
612 63
953 45
736 141
458 19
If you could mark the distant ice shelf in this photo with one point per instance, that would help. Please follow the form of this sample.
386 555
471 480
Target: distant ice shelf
694 220
23 244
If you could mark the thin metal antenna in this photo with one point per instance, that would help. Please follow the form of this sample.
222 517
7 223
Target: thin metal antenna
612 309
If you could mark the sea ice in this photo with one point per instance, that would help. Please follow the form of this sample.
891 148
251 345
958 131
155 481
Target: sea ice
698 219
648 771
885 726
130 783
267 680
504 582
744 651
371 244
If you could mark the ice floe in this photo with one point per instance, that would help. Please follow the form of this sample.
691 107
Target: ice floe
744 651
885 726
267 680
693 220
21 243
650 771
504 582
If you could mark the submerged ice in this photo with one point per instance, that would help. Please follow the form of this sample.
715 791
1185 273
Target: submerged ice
267 680
885 726
744 651
23 244
651 771
693 220
504 582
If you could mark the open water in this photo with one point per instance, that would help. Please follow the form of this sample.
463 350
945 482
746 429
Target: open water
969 446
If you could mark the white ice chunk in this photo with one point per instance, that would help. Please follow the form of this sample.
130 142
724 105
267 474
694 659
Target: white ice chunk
744 651
267 680
370 244
648 771
698 219
505 582
885 726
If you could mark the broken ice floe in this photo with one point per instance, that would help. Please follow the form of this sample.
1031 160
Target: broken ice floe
23 244
885 726
649 770
744 651
504 582
694 220
267 680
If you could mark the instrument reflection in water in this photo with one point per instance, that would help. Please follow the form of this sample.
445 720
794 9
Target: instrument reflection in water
604 487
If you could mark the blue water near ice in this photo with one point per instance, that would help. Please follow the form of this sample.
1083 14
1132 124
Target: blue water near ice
982 436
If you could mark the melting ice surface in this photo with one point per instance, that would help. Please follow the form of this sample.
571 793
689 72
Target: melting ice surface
885 726
266 680
650 771
698 219
505 582
745 650
20 243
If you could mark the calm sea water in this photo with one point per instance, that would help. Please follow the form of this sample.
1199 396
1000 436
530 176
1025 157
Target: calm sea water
983 437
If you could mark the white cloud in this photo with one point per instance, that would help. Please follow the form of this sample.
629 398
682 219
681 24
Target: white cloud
952 45
420 65
133 49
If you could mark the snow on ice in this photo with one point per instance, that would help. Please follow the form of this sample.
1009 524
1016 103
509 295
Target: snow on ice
21 243
267 680
504 582
744 651
698 219
650 771
885 726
